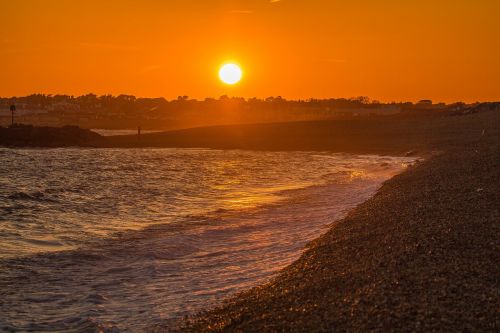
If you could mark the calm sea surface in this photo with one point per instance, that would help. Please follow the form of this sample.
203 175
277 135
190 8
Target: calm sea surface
123 239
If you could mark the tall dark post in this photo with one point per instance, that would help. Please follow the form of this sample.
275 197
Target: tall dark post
12 110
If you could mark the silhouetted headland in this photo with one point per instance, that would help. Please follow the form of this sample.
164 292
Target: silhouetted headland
393 134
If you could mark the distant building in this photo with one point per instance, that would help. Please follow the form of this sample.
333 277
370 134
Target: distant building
425 102
427 105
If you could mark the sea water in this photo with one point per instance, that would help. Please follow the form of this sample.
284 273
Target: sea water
124 239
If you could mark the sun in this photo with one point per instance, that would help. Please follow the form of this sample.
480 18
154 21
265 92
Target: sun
230 73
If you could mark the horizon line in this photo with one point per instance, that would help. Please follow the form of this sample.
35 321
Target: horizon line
189 98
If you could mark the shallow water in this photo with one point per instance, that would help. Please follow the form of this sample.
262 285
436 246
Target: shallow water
127 238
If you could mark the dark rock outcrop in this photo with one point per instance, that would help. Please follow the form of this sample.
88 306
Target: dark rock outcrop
31 136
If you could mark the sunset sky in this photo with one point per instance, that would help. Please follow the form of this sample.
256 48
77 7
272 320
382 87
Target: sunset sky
390 50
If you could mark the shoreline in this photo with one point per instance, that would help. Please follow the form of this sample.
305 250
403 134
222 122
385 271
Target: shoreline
420 255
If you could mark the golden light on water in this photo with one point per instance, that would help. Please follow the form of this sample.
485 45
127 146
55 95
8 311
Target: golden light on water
230 73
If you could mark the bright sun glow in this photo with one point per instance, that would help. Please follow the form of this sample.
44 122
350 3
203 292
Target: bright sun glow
230 74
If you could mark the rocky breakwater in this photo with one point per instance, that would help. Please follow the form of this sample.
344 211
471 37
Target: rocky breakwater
33 136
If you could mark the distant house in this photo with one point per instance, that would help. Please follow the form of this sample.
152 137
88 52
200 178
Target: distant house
427 104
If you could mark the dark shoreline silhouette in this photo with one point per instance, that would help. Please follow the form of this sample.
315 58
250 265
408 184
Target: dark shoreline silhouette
379 135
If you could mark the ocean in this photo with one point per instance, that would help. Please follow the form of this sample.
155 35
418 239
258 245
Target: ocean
124 239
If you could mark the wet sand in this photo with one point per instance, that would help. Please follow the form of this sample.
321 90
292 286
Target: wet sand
421 255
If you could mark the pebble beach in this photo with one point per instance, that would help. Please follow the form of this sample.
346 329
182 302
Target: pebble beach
421 255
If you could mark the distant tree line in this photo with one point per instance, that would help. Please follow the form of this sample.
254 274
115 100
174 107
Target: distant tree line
126 103
127 111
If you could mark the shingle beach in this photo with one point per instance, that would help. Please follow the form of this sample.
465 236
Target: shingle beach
421 255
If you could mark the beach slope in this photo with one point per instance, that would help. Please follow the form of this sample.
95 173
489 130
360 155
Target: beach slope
421 255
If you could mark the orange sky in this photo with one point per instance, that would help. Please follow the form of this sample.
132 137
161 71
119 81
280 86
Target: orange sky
390 50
